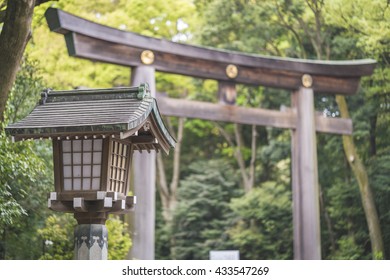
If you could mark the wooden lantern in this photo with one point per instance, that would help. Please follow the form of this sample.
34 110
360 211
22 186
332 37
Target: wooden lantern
94 133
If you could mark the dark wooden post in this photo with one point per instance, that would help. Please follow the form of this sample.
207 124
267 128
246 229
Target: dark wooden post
306 214
144 166
227 93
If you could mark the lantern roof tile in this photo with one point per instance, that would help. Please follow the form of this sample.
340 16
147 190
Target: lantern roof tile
121 112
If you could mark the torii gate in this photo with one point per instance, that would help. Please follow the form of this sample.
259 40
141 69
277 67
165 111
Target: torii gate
145 55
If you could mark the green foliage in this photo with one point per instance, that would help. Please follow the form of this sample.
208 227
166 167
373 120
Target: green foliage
241 25
345 209
371 27
119 241
379 173
164 19
163 236
348 249
58 240
263 226
20 170
22 191
9 207
203 211
26 173
57 237
26 90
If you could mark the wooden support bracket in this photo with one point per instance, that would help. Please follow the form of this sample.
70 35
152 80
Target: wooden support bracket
79 204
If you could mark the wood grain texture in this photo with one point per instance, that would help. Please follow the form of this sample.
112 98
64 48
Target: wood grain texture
14 35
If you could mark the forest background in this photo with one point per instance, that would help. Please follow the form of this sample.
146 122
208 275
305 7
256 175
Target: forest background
225 186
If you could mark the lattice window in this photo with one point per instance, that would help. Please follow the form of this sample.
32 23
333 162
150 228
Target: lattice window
82 164
118 168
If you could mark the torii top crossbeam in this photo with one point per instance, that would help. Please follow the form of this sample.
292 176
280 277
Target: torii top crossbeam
86 39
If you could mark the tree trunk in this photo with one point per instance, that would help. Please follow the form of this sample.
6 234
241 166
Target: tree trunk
252 164
373 123
163 188
176 165
328 221
248 177
168 195
361 176
13 39
240 158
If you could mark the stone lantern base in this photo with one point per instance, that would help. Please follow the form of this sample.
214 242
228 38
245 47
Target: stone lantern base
90 242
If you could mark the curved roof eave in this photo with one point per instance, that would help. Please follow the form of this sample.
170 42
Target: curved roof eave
91 112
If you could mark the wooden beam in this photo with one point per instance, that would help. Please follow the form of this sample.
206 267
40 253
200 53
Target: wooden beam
333 125
264 117
57 165
142 139
89 40
226 113
100 50
60 206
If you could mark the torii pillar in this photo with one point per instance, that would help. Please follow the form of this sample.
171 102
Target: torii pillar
305 187
143 220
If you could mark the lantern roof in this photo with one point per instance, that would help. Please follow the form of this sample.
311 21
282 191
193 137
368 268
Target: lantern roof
125 113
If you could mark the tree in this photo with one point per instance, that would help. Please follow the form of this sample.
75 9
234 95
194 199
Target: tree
16 17
26 173
57 237
202 214
168 193
367 196
21 189
263 227
371 30
305 29
162 19
238 146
